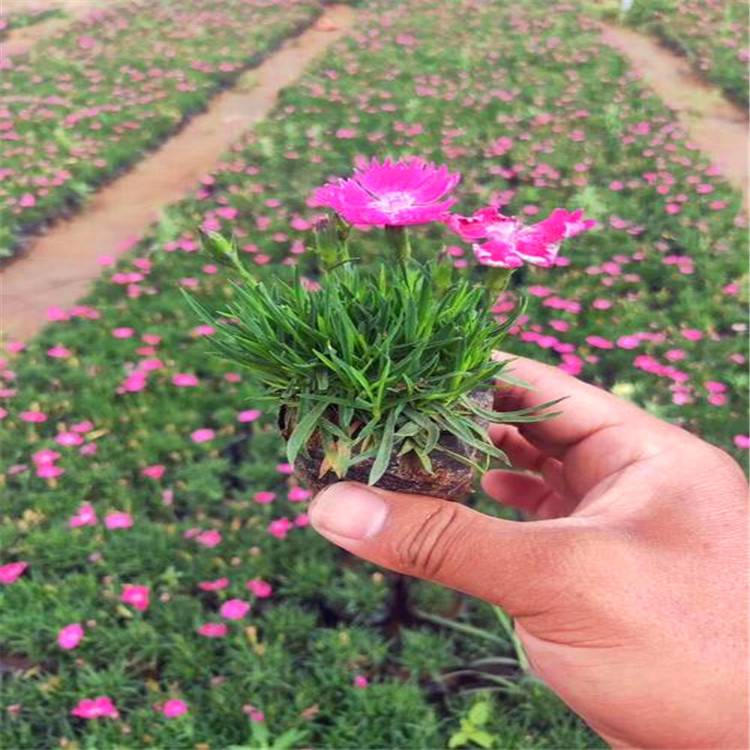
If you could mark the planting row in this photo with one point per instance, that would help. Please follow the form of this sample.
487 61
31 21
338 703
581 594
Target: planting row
88 102
29 17
161 584
711 33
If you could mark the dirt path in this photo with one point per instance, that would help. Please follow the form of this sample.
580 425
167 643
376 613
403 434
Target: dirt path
20 41
57 268
717 126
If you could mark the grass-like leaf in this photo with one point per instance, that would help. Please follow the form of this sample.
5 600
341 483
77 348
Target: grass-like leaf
381 360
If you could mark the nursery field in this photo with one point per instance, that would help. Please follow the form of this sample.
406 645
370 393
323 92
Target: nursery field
85 105
155 551
712 34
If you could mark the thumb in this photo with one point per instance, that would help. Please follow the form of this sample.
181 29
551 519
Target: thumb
516 565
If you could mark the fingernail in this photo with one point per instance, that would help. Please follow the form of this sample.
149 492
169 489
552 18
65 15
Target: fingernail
348 510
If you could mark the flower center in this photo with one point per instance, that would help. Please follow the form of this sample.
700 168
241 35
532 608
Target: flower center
393 203
505 231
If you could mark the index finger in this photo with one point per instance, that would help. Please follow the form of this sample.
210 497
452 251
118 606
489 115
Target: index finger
585 410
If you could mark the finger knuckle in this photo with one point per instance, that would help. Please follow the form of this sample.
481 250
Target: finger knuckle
425 549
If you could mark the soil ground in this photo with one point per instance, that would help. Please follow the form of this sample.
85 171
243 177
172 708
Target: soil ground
19 41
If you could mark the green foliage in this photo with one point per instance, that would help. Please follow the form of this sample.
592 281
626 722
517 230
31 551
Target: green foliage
382 358
471 732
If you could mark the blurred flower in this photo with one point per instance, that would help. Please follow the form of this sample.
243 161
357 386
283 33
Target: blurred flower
234 609
85 516
118 521
96 708
11 572
217 585
70 636
136 596
260 588
174 707
249 415
299 494
203 435
213 630
153 472
209 538
280 527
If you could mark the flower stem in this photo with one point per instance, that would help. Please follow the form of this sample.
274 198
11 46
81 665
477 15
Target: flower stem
398 239
497 279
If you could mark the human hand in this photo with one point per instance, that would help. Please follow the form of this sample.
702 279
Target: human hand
629 593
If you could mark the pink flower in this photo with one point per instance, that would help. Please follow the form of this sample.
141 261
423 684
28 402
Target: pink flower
70 636
691 334
628 342
741 441
280 527
184 380
264 497
11 572
34 417
96 708
262 589
156 471
118 521
249 415
56 314
59 352
599 342
68 438
134 382
213 630
360 681
410 191
136 596
234 609
203 435
217 585
299 494
254 714
89 449
601 304
210 538
174 707
85 516
86 42
509 243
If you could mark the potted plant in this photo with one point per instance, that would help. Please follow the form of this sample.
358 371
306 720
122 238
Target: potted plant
383 371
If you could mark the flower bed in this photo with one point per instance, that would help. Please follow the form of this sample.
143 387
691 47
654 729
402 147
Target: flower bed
146 489
712 34
87 103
